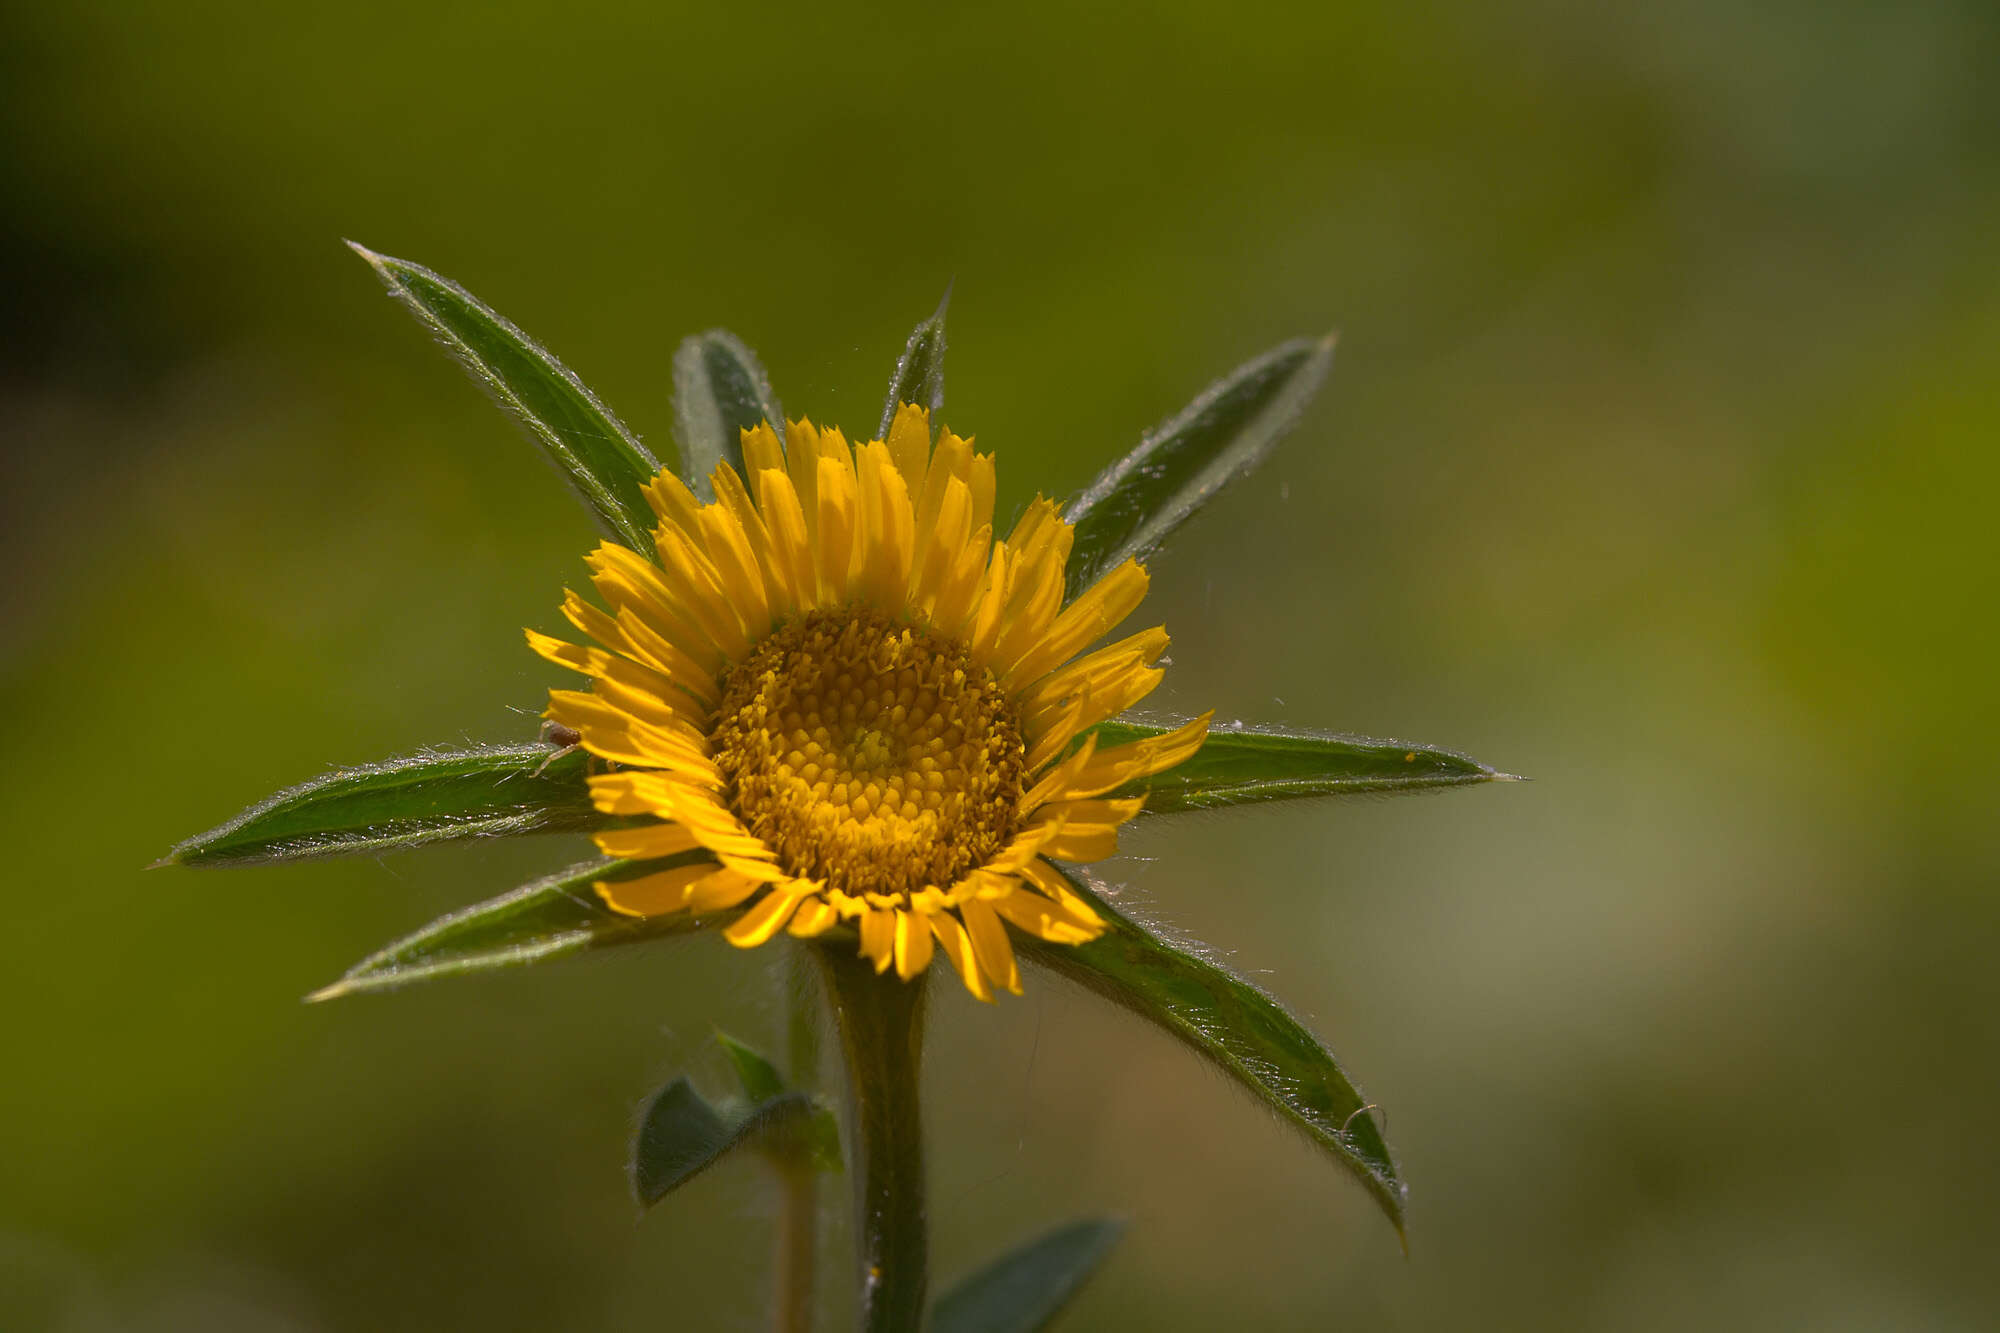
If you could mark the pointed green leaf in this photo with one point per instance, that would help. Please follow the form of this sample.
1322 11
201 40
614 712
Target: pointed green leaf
603 461
1235 1027
681 1135
1178 467
760 1078
1239 765
551 917
919 376
496 791
720 390
506 790
1024 1289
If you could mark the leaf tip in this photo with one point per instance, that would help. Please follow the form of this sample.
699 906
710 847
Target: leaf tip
358 248
172 858
333 992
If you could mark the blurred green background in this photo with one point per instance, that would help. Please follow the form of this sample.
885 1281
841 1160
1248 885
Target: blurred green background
1657 463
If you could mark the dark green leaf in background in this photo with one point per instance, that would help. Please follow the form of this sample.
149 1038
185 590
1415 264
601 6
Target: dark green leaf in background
919 376
1024 1289
1235 1027
681 1135
1239 765
603 461
720 390
493 791
1178 467
551 917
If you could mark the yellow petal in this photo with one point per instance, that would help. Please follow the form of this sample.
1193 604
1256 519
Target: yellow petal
957 946
767 915
839 517
878 937
646 842
814 915
672 501
761 449
989 943
657 894
1054 885
718 890
913 944
909 441
1037 915
1089 618
791 539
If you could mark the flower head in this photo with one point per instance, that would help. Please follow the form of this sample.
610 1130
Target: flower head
832 696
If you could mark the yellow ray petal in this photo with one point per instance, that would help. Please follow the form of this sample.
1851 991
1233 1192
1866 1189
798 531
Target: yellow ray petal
644 843
742 573
913 944
657 894
672 501
719 890
909 441
989 944
761 449
768 914
802 464
957 946
1084 621
1053 885
814 916
887 527
878 937
791 539
984 484
1122 763
702 594
1037 915
950 533
839 517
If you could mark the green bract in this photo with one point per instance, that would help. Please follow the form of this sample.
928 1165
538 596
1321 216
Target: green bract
512 789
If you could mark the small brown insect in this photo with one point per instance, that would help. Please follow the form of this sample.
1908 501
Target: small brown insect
567 741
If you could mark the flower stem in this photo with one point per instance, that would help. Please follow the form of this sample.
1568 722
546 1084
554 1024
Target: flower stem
798 1175
798 1226
881 1025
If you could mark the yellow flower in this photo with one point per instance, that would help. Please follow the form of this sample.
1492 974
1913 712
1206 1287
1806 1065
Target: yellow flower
862 707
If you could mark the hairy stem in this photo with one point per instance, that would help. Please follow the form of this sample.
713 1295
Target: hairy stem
881 1024
798 1176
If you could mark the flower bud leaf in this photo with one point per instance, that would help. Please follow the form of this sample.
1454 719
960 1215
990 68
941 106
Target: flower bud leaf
919 376
603 461
1234 1026
1179 466
548 918
720 390
438 796
760 1078
681 1135
1025 1289
1247 766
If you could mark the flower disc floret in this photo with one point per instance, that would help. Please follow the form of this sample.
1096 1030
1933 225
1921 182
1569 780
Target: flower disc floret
873 756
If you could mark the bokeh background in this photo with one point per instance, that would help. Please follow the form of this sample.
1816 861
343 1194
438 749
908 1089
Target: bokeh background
1657 463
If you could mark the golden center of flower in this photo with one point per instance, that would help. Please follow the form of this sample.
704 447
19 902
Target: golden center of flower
870 754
